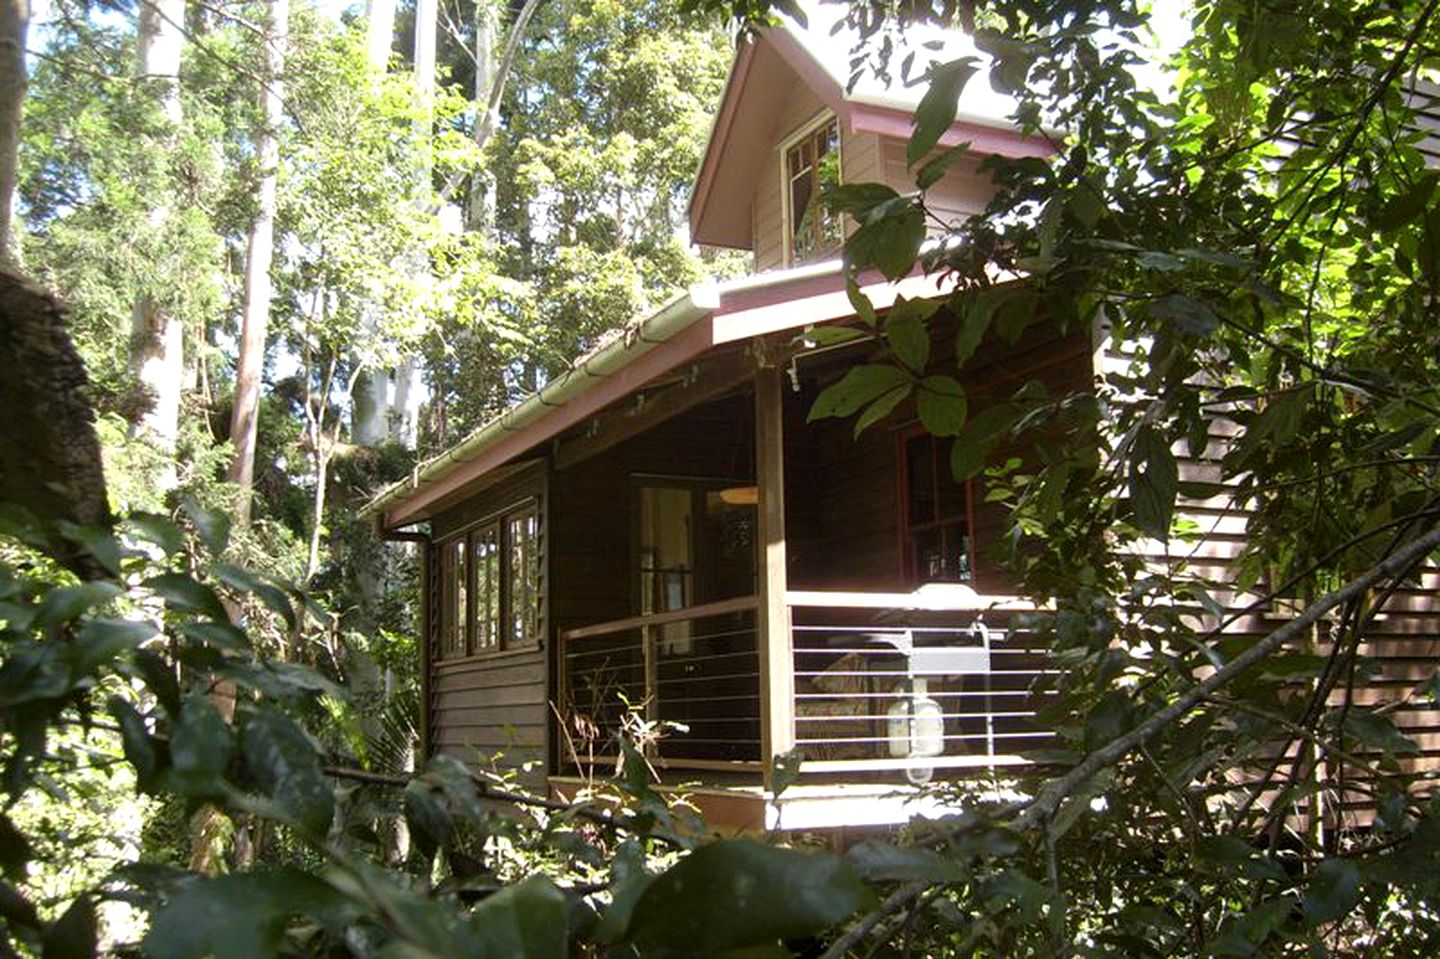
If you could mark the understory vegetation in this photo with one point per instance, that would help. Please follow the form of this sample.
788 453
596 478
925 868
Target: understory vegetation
208 690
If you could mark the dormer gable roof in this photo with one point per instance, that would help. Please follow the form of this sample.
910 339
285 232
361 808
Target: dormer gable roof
819 56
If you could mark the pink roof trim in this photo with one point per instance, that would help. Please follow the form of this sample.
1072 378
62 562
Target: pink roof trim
890 122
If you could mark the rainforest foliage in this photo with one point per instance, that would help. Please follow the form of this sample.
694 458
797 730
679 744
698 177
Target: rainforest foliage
208 725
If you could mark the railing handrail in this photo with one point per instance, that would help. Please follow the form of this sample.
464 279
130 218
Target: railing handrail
847 599
718 608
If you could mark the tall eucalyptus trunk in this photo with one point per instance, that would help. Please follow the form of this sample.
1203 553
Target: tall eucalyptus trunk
370 405
14 25
405 416
157 334
259 253
480 204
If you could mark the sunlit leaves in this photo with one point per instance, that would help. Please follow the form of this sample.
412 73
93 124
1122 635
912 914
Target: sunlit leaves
938 106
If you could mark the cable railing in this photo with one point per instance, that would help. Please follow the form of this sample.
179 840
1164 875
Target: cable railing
684 684
883 683
895 682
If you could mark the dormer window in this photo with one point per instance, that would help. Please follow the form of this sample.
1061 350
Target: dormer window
812 164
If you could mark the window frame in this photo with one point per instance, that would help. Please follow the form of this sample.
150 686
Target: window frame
507 635
907 530
806 130
700 575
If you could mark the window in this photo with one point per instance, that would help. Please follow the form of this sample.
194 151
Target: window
935 527
696 543
812 164
491 585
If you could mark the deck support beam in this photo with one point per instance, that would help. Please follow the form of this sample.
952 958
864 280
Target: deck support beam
772 618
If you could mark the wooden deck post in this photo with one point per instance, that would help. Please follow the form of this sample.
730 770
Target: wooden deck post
772 618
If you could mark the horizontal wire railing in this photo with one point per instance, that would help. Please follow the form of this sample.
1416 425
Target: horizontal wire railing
684 683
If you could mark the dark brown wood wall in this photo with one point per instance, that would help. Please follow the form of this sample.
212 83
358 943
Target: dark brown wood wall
842 492
592 562
494 704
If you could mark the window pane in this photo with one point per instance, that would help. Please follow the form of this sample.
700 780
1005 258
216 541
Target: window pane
458 596
919 470
485 633
522 535
812 165
936 535
666 549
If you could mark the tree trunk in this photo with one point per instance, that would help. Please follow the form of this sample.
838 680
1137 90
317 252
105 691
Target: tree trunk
14 24
379 34
480 204
260 251
370 405
405 419
158 336
49 454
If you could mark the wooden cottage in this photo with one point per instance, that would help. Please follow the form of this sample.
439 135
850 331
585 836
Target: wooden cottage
658 537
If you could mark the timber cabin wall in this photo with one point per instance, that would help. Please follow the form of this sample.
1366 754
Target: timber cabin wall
495 701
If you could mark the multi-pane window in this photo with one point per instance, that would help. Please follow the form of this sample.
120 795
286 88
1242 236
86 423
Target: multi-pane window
522 597
485 611
491 585
936 531
812 165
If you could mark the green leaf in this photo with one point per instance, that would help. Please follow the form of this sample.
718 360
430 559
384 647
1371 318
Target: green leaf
240 916
937 166
881 408
1154 479
285 681
1015 312
889 243
160 530
1163 262
936 110
785 769
907 335
859 386
212 525
859 199
1378 731
830 335
1333 891
201 746
141 750
941 405
287 767
429 819
1409 205
977 310
1236 857
978 440
186 594
1192 317
101 640
219 635
66 603
879 861
159 677
529 918
15 851
629 880
74 935
247 582
859 302
735 893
